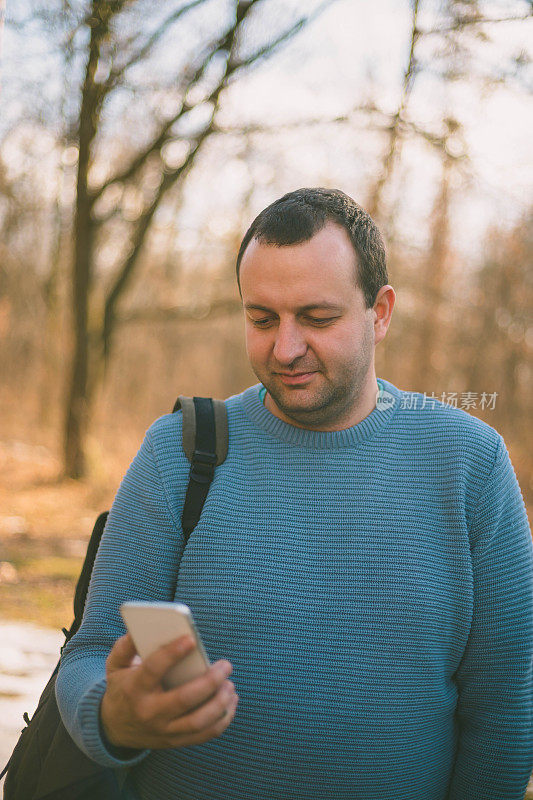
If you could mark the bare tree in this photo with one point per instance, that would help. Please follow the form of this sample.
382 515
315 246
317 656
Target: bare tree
110 59
117 59
460 23
394 128
432 280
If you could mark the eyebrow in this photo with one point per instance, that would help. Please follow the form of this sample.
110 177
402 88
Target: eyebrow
308 307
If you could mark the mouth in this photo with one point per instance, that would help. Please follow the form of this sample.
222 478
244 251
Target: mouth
295 378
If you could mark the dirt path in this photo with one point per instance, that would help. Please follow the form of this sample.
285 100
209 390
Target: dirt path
27 657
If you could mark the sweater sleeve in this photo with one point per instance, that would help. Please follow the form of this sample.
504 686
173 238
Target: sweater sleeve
137 559
495 679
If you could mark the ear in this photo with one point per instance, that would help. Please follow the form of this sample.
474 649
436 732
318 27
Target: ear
382 309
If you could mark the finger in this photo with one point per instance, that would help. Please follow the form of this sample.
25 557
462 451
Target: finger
212 732
207 715
121 654
149 674
194 693
171 712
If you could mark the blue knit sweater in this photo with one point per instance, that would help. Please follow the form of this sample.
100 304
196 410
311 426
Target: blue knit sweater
372 588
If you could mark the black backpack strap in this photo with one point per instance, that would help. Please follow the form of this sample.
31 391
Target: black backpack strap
82 587
83 583
205 443
188 430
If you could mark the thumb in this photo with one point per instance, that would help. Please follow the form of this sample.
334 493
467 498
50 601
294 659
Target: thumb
122 654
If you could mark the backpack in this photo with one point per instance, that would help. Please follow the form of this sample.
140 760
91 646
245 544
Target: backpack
46 764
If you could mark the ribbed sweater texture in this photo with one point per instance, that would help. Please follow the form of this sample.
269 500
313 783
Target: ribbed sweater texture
372 587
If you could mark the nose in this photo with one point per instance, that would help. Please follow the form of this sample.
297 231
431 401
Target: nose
290 343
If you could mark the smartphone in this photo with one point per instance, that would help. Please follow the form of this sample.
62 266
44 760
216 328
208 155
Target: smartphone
152 625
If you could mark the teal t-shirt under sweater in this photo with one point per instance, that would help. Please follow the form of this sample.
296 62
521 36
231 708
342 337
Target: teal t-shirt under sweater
372 588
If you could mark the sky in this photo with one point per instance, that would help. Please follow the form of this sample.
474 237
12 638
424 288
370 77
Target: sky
360 49
357 51
354 51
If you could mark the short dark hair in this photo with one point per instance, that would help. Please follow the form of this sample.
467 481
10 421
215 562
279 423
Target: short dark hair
298 215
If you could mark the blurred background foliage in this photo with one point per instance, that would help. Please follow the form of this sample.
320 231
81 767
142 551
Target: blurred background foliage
139 140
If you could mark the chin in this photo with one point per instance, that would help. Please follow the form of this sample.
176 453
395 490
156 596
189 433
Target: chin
294 402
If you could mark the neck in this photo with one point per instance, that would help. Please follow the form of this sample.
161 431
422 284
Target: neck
362 406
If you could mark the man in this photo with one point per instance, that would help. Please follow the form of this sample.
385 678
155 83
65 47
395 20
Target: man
363 565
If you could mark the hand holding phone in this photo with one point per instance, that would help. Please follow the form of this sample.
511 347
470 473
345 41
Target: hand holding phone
138 711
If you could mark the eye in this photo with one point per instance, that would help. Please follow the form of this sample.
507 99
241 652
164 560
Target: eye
321 320
264 322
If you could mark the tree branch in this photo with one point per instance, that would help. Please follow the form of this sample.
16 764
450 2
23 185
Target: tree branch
227 45
114 7
463 23
181 313
390 156
143 223
244 130
169 179
116 74
135 165
386 123
289 34
226 42
163 134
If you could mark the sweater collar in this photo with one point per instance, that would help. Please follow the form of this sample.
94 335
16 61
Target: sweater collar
387 404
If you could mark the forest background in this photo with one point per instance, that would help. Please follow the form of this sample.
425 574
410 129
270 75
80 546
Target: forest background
137 142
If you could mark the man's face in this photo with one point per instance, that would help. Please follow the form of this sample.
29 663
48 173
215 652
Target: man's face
309 336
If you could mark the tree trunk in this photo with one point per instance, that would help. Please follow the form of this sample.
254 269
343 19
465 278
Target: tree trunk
52 335
431 334
92 347
374 202
77 416
77 411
